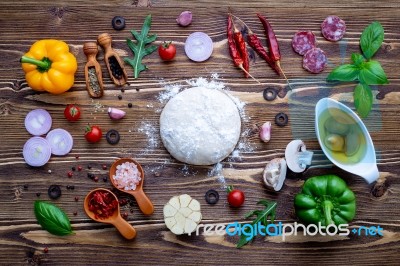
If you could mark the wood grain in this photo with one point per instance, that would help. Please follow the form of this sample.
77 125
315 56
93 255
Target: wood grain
22 240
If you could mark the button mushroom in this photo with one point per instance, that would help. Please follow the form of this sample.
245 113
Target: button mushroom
297 157
275 173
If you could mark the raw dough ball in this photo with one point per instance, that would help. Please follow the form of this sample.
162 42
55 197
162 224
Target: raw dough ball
200 126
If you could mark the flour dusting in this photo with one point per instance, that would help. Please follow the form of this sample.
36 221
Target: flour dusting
152 135
216 171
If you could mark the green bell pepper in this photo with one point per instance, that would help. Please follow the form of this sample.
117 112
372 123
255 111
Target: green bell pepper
325 199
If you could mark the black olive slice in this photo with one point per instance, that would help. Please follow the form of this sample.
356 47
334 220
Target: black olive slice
212 196
281 119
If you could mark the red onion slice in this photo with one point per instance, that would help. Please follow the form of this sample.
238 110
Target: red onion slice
60 140
37 151
38 122
198 46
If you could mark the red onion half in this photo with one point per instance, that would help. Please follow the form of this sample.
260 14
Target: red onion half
198 46
37 151
60 140
38 122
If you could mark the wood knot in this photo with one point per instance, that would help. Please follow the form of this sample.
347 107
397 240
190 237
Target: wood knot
5 109
283 91
388 47
17 85
58 11
142 3
379 189
383 90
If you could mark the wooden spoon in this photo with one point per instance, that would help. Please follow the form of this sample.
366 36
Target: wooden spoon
145 205
126 230
104 40
93 76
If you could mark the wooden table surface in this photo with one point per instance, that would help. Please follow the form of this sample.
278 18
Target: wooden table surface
22 241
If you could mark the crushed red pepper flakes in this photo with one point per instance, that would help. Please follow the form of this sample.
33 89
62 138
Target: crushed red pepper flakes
103 204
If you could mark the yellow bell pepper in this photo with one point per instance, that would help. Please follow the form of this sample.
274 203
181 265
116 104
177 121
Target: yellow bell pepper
49 66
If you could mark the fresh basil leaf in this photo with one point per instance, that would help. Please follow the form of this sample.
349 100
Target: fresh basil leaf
363 99
371 39
372 73
346 72
52 218
357 59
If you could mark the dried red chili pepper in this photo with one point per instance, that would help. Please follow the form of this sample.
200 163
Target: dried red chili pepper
255 43
273 45
241 44
271 39
233 49
237 58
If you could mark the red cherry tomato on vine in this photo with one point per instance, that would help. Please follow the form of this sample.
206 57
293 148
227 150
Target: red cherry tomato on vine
93 134
72 112
167 51
235 197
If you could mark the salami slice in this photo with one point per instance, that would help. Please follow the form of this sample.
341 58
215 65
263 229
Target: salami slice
333 28
303 41
315 60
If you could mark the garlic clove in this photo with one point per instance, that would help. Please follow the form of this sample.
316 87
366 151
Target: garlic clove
116 114
185 18
265 132
334 142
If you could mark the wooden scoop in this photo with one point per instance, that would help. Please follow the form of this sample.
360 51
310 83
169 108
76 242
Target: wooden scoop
93 76
122 225
114 63
145 205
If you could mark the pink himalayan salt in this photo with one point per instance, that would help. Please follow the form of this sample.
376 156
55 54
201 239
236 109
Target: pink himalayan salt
127 176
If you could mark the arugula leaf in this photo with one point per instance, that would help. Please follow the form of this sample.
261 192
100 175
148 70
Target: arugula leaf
372 73
139 48
262 216
363 99
52 218
357 59
346 72
371 39
243 239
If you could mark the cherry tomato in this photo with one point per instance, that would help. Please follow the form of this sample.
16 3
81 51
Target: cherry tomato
72 112
93 134
235 197
167 51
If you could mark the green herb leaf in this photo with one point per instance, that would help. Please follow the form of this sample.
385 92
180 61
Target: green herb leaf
262 216
357 59
139 47
372 73
363 99
371 39
346 72
52 218
243 240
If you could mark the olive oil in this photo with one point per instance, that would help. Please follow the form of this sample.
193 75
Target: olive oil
341 136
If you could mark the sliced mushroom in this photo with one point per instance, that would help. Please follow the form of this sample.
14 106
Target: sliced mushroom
297 157
275 173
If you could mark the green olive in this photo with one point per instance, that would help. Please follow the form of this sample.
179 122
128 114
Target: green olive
352 143
334 142
333 126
